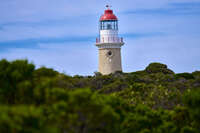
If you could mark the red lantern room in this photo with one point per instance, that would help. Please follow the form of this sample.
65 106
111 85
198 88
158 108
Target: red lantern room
108 20
108 15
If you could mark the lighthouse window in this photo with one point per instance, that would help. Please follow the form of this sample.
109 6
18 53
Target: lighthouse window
108 25
109 53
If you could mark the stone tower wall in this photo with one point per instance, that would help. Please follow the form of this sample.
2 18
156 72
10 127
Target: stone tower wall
109 60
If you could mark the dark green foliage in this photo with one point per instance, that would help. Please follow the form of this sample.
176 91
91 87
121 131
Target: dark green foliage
158 67
185 75
192 101
141 119
23 119
45 72
15 81
100 80
114 87
82 111
196 74
42 100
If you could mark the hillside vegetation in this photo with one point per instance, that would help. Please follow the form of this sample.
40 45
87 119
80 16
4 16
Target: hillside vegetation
155 100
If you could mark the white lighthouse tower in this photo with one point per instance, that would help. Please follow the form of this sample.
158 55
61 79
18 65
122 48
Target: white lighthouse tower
109 44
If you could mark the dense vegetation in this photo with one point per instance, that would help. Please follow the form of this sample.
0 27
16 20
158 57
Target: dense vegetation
155 100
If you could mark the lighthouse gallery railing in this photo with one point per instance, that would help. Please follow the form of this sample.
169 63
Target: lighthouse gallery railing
109 40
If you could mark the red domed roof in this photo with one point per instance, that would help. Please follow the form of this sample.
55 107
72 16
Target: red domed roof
108 15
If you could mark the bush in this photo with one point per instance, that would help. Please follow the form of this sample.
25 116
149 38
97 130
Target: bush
192 101
185 75
158 67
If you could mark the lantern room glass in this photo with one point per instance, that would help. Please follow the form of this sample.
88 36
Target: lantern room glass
109 25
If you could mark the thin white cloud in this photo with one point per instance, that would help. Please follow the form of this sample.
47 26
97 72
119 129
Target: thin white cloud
11 33
37 19
37 10
76 58
129 23
180 53
136 23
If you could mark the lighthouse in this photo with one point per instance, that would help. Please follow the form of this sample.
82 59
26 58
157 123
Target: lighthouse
109 44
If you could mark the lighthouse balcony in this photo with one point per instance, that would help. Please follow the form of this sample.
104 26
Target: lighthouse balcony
109 40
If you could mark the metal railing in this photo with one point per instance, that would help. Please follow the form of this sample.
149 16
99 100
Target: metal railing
109 40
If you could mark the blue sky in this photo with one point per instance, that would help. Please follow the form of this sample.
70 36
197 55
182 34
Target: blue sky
61 34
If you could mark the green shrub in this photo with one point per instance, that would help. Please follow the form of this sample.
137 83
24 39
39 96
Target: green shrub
185 75
158 67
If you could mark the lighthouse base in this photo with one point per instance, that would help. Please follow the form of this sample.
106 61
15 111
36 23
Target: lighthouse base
109 60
